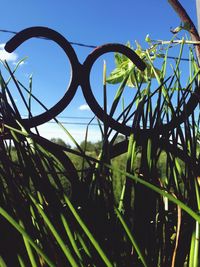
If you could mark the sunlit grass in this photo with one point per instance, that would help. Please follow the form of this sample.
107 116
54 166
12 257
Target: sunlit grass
123 209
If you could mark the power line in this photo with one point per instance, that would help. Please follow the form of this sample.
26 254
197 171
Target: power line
60 118
76 123
69 117
93 124
82 44
72 43
75 117
81 118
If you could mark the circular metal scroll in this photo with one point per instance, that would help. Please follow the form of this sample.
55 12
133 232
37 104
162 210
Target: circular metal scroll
28 33
80 75
176 120
87 90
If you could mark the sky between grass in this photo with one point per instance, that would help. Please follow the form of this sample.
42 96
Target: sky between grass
88 22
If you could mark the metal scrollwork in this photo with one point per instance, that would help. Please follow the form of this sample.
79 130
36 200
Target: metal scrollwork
80 75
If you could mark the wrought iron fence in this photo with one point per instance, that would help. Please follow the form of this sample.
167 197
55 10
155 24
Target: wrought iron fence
80 75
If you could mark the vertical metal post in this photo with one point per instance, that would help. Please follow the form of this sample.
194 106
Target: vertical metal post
198 14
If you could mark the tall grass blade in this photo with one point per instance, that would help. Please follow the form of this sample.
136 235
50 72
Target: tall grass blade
2 262
21 262
162 192
84 246
28 238
70 236
28 248
88 233
131 238
57 237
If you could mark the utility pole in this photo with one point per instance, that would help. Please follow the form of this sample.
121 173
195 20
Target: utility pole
198 14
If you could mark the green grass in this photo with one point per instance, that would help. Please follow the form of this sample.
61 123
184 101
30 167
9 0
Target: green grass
128 200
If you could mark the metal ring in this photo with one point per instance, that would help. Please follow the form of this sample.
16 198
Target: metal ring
122 128
28 33
87 91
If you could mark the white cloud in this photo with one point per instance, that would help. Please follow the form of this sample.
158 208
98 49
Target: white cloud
20 64
84 107
51 130
10 57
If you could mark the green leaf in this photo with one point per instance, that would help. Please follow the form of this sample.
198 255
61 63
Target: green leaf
147 38
128 44
118 59
183 26
125 65
116 76
176 30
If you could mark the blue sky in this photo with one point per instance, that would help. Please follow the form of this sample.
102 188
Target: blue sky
89 22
